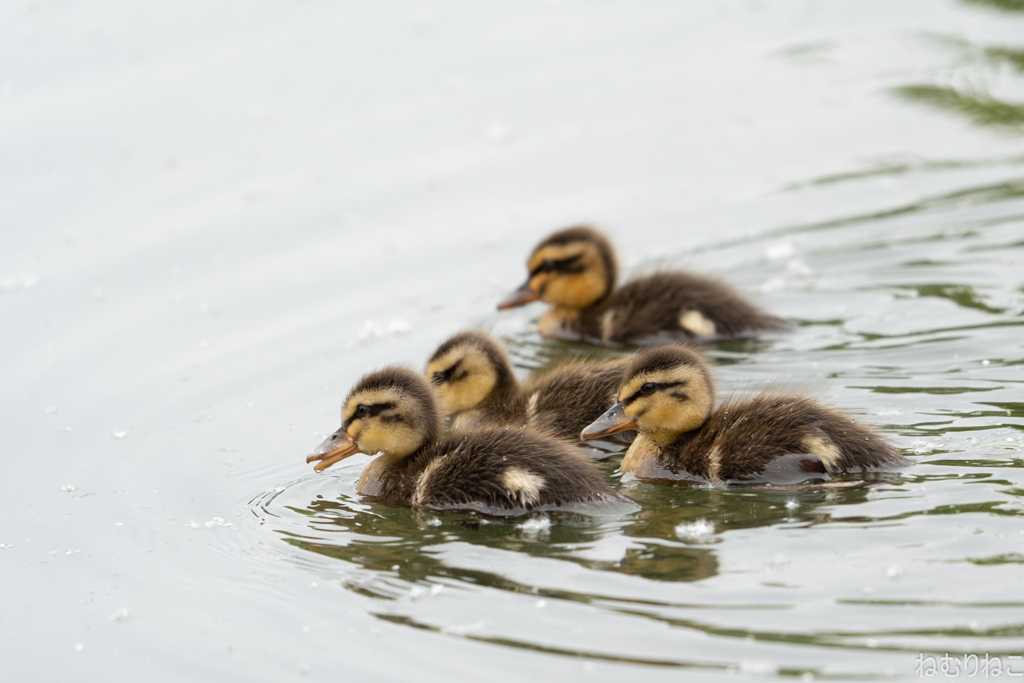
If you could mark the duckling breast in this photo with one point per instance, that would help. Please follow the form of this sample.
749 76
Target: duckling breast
641 459
560 323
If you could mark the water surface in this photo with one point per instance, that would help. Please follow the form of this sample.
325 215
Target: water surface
217 218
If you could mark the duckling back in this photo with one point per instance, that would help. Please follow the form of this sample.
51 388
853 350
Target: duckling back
506 471
674 305
743 438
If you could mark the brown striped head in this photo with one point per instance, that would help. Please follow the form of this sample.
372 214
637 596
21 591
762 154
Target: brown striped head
466 369
391 411
666 391
571 268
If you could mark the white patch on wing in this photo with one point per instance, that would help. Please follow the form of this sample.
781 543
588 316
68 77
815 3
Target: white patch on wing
826 451
714 463
695 323
420 493
531 406
522 485
607 324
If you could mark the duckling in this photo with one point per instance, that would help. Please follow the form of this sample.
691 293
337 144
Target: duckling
393 412
668 394
473 378
575 271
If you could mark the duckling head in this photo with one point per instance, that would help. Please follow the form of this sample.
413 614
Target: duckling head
465 370
391 411
666 391
572 268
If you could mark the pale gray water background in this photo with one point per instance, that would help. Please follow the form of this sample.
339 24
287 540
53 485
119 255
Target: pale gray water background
216 217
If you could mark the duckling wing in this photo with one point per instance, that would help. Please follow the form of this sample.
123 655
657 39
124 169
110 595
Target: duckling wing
672 306
775 434
505 472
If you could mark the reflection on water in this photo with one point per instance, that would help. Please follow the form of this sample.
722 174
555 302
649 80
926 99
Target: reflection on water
402 555
982 108
977 105
1005 5
984 194
398 554
899 167
1005 55
962 295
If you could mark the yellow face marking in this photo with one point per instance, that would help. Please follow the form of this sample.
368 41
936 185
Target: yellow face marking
472 382
373 433
366 398
571 290
665 414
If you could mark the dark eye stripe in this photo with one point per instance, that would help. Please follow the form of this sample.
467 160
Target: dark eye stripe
658 386
446 375
375 409
561 265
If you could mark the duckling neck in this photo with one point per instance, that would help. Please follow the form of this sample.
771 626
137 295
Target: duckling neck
600 321
643 458
650 457
560 322
691 457
506 403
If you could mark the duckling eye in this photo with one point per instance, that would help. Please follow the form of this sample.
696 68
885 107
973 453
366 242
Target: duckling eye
548 265
648 388
362 410
439 377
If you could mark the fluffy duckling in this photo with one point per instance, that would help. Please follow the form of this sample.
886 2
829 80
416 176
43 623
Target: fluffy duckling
497 471
668 395
575 271
473 378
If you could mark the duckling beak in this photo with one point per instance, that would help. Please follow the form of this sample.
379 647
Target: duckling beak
523 295
335 448
615 420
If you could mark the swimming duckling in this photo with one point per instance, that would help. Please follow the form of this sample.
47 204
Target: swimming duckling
473 378
668 395
498 471
575 270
